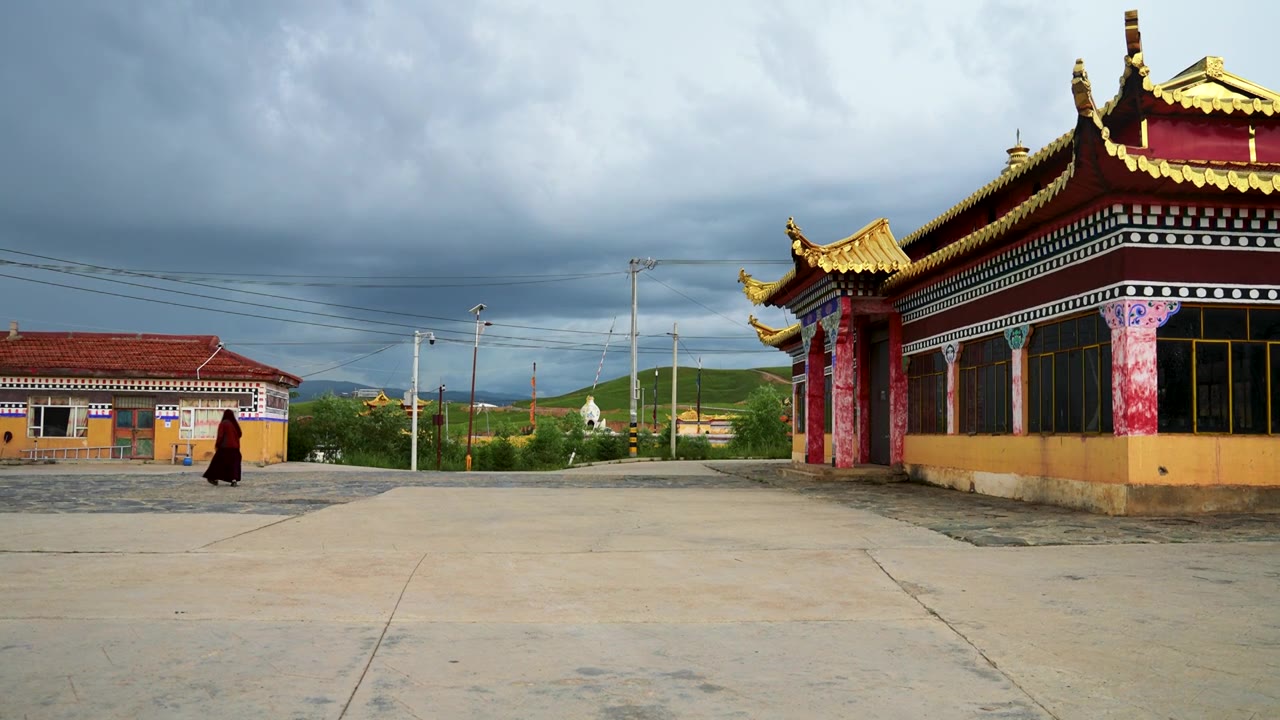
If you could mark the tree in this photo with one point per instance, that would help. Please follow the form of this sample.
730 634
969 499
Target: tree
759 429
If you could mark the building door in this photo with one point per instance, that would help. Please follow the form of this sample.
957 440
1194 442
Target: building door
879 454
135 426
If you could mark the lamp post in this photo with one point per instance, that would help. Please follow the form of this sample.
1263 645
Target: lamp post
440 426
417 342
475 351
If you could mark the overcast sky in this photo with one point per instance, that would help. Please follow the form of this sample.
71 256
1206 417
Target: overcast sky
514 153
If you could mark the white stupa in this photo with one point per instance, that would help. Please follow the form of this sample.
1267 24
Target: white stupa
591 413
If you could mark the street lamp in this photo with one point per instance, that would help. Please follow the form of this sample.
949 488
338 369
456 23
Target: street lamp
417 342
475 351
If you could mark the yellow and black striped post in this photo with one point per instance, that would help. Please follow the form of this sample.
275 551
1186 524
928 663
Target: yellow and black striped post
633 441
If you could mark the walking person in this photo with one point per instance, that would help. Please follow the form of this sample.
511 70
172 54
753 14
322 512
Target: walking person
225 464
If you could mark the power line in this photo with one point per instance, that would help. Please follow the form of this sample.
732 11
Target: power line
696 302
362 357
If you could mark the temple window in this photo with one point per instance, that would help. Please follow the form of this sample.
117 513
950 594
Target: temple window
1218 371
986 405
57 416
826 403
800 403
1069 376
927 394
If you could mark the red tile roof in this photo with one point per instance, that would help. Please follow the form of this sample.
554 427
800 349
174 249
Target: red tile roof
139 355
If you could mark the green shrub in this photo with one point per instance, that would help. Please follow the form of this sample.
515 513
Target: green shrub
546 449
603 446
759 430
502 455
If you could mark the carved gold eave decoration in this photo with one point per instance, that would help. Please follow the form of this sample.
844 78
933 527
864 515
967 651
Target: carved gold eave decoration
982 236
758 291
872 249
1200 176
771 336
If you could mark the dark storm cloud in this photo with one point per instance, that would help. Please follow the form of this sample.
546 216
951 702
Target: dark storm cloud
456 140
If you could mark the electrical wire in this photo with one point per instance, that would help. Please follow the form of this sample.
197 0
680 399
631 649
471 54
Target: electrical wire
362 357
696 302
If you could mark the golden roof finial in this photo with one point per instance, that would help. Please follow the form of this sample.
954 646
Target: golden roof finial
1132 35
1082 90
1017 154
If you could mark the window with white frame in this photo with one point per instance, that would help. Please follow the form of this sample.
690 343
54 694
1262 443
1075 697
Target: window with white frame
57 416
199 417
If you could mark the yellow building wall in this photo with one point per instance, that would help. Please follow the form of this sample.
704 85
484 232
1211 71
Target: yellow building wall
262 443
1116 475
798 448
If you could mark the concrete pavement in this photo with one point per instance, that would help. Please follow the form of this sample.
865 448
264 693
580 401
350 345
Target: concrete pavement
689 594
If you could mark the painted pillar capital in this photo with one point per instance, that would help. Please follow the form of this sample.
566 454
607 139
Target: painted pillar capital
1017 336
806 334
1139 313
951 352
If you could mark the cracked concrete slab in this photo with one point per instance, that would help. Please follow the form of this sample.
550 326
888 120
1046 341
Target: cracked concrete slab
116 532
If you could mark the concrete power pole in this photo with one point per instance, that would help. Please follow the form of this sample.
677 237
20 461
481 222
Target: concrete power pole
634 268
417 343
675 343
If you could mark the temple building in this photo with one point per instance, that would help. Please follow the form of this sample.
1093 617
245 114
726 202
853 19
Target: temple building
1097 327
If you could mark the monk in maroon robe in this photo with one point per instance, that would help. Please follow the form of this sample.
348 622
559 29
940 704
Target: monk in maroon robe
226 452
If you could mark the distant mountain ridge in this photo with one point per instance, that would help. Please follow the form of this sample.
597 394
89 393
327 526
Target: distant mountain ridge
312 389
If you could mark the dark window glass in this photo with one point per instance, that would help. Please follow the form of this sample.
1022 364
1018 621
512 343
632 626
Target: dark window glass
1092 400
1061 393
1173 378
1087 330
146 419
55 421
1050 339
1046 393
1036 346
1183 324
1067 335
1075 407
1104 382
1248 388
1225 324
940 402
1275 389
1212 391
1264 324
1033 395
124 418
826 404
801 403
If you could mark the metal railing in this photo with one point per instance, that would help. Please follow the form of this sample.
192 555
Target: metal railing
110 452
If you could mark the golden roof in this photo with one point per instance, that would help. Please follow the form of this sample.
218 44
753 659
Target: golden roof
771 336
983 192
758 291
871 249
983 235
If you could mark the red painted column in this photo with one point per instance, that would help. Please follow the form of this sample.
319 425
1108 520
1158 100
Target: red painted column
843 439
862 352
897 391
1017 337
951 353
816 410
1133 324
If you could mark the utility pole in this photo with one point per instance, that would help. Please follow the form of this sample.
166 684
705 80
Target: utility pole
634 268
475 351
675 343
655 399
417 343
699 395
440 426
533 404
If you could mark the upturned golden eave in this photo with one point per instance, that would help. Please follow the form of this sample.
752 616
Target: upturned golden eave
758 291
871 249
771 336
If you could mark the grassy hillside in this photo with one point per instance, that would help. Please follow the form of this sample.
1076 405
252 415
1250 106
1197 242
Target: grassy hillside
720 388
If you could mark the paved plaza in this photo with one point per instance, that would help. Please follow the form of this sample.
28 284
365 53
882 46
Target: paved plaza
637 591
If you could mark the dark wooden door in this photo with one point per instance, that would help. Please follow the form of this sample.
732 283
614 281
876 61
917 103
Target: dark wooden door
879 403
135 427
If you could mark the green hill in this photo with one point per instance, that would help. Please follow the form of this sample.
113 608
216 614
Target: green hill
720 389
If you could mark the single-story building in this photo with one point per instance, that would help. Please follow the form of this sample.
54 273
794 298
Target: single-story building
1097 327
118 396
